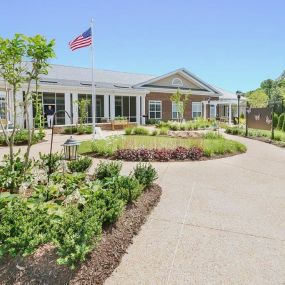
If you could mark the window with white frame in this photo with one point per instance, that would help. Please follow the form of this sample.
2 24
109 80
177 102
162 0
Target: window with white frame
196 110
155 109
175 111
212 111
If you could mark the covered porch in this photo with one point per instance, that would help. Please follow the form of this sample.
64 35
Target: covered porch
223 110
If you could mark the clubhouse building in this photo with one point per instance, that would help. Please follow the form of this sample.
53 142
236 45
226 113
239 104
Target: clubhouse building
138 97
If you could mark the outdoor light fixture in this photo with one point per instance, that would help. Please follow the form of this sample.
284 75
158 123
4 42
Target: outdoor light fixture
209 100
70 148
238 93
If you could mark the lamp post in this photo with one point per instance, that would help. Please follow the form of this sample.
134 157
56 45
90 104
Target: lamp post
238 93
70 146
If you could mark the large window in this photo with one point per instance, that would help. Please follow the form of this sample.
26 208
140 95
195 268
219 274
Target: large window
125 106
175 111
99 107
2 107
155 110
212 111
196 110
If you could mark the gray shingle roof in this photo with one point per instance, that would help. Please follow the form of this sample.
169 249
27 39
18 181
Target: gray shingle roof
81 74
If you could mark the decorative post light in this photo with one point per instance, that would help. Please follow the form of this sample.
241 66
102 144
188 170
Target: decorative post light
238 93
70 148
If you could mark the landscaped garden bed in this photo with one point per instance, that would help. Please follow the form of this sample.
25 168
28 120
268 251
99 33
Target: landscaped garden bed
54 215
21 137
162 148
42 268
261 135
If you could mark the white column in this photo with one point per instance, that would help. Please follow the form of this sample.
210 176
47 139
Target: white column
230 114
143 110
106 107
75 108
112 107
138 110
205 110
67 108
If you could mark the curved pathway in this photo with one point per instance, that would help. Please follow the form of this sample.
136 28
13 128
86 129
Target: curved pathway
218 222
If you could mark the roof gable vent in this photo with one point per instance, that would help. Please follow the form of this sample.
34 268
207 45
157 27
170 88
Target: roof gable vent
177 82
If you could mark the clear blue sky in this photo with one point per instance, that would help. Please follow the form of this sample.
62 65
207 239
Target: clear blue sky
233 44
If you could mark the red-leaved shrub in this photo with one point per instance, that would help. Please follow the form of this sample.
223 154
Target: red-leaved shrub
180 153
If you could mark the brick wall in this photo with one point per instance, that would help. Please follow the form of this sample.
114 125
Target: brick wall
167 104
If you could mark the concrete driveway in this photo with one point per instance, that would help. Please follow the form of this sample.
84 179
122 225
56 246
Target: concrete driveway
218 222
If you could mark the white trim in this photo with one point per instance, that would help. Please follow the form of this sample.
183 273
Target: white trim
180 84
172 104
152 101
187 75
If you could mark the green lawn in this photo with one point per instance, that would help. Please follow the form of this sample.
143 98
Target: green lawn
211 145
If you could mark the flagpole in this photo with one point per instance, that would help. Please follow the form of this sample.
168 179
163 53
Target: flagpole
93 83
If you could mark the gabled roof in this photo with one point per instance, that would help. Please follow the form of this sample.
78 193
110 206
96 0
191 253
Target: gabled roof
186 74
81 74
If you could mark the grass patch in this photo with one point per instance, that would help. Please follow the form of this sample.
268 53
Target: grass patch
211 144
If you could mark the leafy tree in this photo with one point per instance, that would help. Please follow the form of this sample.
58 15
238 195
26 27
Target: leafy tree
23 60
267 86
181 101
257 98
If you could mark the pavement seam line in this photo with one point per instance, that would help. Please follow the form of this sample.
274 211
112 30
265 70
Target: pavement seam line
180 233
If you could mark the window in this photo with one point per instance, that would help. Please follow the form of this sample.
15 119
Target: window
155 110
177 82
212 111
2 107
175 111
196 110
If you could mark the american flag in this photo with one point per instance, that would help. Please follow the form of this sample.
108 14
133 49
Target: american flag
81 41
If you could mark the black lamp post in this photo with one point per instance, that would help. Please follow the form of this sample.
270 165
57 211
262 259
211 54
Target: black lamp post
70 146
238 93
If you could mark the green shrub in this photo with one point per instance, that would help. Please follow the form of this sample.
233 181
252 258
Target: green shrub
76 234
280 121
23 228
107 169
126 188
12 176
70 130
154 133
283 126
80 165
163 131
152 121
110 205
50 162
128 131
140 131
212 135
275 120
145 173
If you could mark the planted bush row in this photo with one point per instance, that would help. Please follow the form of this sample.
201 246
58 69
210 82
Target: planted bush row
69 210
179 153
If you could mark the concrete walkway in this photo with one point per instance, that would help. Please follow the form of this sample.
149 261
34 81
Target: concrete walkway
218 222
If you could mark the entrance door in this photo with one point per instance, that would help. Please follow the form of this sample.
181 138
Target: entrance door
212 111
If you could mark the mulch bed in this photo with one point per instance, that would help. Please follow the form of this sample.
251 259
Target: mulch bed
41 267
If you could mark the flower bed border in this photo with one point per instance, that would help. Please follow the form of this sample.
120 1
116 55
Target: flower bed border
41 267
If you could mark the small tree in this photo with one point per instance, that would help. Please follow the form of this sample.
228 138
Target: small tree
83 105
22 61
181 101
